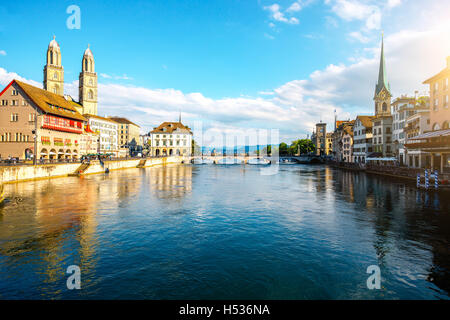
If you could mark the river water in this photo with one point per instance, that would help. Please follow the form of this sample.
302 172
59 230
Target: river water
224 232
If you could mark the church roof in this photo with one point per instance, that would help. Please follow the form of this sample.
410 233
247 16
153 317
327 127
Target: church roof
48 102
382 77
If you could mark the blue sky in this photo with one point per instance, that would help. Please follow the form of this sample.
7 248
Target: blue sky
233 64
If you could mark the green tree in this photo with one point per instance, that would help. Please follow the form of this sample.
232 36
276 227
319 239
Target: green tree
283 149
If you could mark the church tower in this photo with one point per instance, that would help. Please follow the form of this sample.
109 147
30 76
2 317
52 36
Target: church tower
88 84
53 70
383 94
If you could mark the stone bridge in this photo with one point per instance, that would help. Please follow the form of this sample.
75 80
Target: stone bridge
244 159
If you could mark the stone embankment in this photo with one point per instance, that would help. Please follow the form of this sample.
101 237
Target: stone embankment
17 173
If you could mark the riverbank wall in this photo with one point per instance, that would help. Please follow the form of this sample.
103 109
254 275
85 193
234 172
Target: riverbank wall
11 174
392 171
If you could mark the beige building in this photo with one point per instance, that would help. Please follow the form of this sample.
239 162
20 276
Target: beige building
171 138
87 84
53 70
127 131
24 109
320 138
436 142
329 143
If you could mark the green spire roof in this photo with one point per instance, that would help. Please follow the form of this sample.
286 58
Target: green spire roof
382 77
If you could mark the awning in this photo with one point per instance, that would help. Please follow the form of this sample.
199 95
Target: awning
45 152
52 153
381 159
432 134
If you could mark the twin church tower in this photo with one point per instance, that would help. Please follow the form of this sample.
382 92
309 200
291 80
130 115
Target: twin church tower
87 88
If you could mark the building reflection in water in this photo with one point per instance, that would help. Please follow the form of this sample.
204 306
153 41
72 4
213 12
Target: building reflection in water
402 215
170 182
56 220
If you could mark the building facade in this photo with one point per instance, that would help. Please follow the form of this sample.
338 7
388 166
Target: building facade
417 124
320 138
436 142
87 84
127 131
362 138
107 131
53 70
171 138
402 108
329 143
25 109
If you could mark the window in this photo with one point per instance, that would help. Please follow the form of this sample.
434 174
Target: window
91 94
4 102
31 117
436 86
446 101
14 102
14 117
55 76
14 92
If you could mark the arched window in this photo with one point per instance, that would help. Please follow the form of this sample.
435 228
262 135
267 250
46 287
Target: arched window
445 125
55 76
90 82
85 65
384 107
436 127
91 94
51 57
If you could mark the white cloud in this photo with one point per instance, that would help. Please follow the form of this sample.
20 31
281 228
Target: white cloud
350 10
294 107
2 53
6 77
277 15
295 7
115 77
358 36
393 3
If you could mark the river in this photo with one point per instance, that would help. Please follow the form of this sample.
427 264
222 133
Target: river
224 232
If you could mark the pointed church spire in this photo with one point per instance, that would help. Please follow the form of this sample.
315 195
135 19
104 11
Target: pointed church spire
179 118
382 77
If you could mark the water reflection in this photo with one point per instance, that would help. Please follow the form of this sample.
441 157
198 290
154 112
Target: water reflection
318 226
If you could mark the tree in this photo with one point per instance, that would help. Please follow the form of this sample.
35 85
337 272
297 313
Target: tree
196 150
283 149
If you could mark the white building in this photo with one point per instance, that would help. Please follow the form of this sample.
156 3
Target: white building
171 138
108 133
417 124
402 108
362 138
